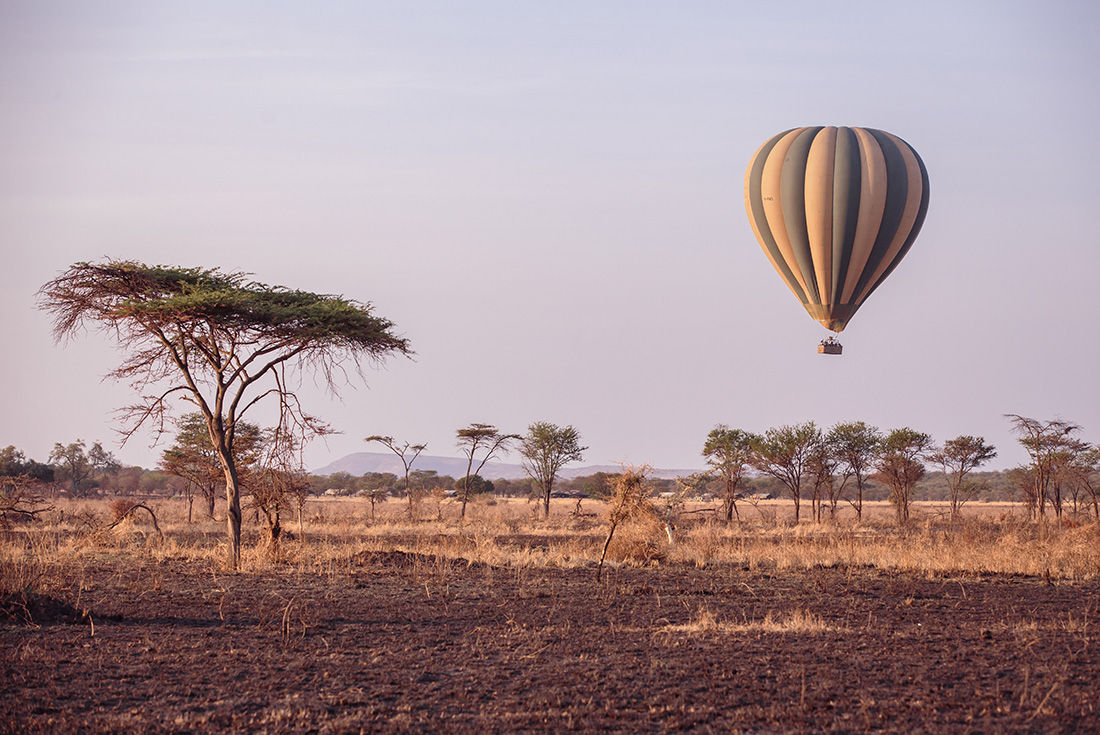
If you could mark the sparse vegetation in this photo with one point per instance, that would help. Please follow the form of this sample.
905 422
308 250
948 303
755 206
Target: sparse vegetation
507 585
655 583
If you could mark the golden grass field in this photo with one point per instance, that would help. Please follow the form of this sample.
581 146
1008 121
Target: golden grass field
989 538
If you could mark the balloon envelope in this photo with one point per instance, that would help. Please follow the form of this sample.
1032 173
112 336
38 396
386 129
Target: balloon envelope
835 210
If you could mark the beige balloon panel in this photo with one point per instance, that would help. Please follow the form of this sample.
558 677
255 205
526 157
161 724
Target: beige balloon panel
830 312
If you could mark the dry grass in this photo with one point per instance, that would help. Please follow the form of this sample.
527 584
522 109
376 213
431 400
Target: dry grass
798 622
972 545
51 553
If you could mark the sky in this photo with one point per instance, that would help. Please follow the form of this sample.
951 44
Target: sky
547 199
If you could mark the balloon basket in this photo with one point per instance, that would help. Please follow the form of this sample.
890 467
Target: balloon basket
830 347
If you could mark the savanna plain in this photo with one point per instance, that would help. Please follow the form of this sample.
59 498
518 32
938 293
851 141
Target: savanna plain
391 621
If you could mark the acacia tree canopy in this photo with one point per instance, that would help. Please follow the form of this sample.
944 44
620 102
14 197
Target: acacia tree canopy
218 340
729 453
785 453
545 449
484 438
855 445
900 465
957 458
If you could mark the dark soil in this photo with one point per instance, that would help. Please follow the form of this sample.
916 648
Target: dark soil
407 643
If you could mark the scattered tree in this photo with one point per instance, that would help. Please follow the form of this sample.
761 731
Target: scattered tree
376 493
1087 467
1045 442
900 465
729 454
483 439
407 453
220 341
79 464
278 480
1022 478
855 445
822 469
192 457
545 450
785 453
957 458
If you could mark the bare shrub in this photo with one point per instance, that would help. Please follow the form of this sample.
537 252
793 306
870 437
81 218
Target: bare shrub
633 511
20 499
119 508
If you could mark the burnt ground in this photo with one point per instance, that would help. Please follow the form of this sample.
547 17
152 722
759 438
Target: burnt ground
406 643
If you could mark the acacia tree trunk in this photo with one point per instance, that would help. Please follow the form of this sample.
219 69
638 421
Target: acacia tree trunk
233 510
275 530
731 503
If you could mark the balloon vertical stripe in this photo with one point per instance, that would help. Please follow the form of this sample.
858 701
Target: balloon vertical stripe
835 210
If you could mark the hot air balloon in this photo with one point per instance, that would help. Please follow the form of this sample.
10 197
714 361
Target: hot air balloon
835 210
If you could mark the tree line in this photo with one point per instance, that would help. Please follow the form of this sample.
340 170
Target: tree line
834 466
225 344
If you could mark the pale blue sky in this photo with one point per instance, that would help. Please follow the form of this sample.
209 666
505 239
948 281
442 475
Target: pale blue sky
547 199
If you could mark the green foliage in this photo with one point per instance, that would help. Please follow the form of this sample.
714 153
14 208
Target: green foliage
729 453
474 485
545 449
193 458
900 465
785 454
185 299
13 463
958 458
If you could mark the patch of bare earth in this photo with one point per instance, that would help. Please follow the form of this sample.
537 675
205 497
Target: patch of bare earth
407 643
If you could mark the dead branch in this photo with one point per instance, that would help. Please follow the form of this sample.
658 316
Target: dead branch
147 509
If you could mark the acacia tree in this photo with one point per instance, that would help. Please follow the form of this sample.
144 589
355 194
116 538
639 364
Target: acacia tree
1022 478
1045 442
729 454
1086 466
545 449
407 453
957 458
855 445
192 457
822 470
1065 471
80 464
785 454
220 341
900 465
484 439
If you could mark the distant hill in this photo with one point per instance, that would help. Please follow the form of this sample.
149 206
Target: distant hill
361 463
